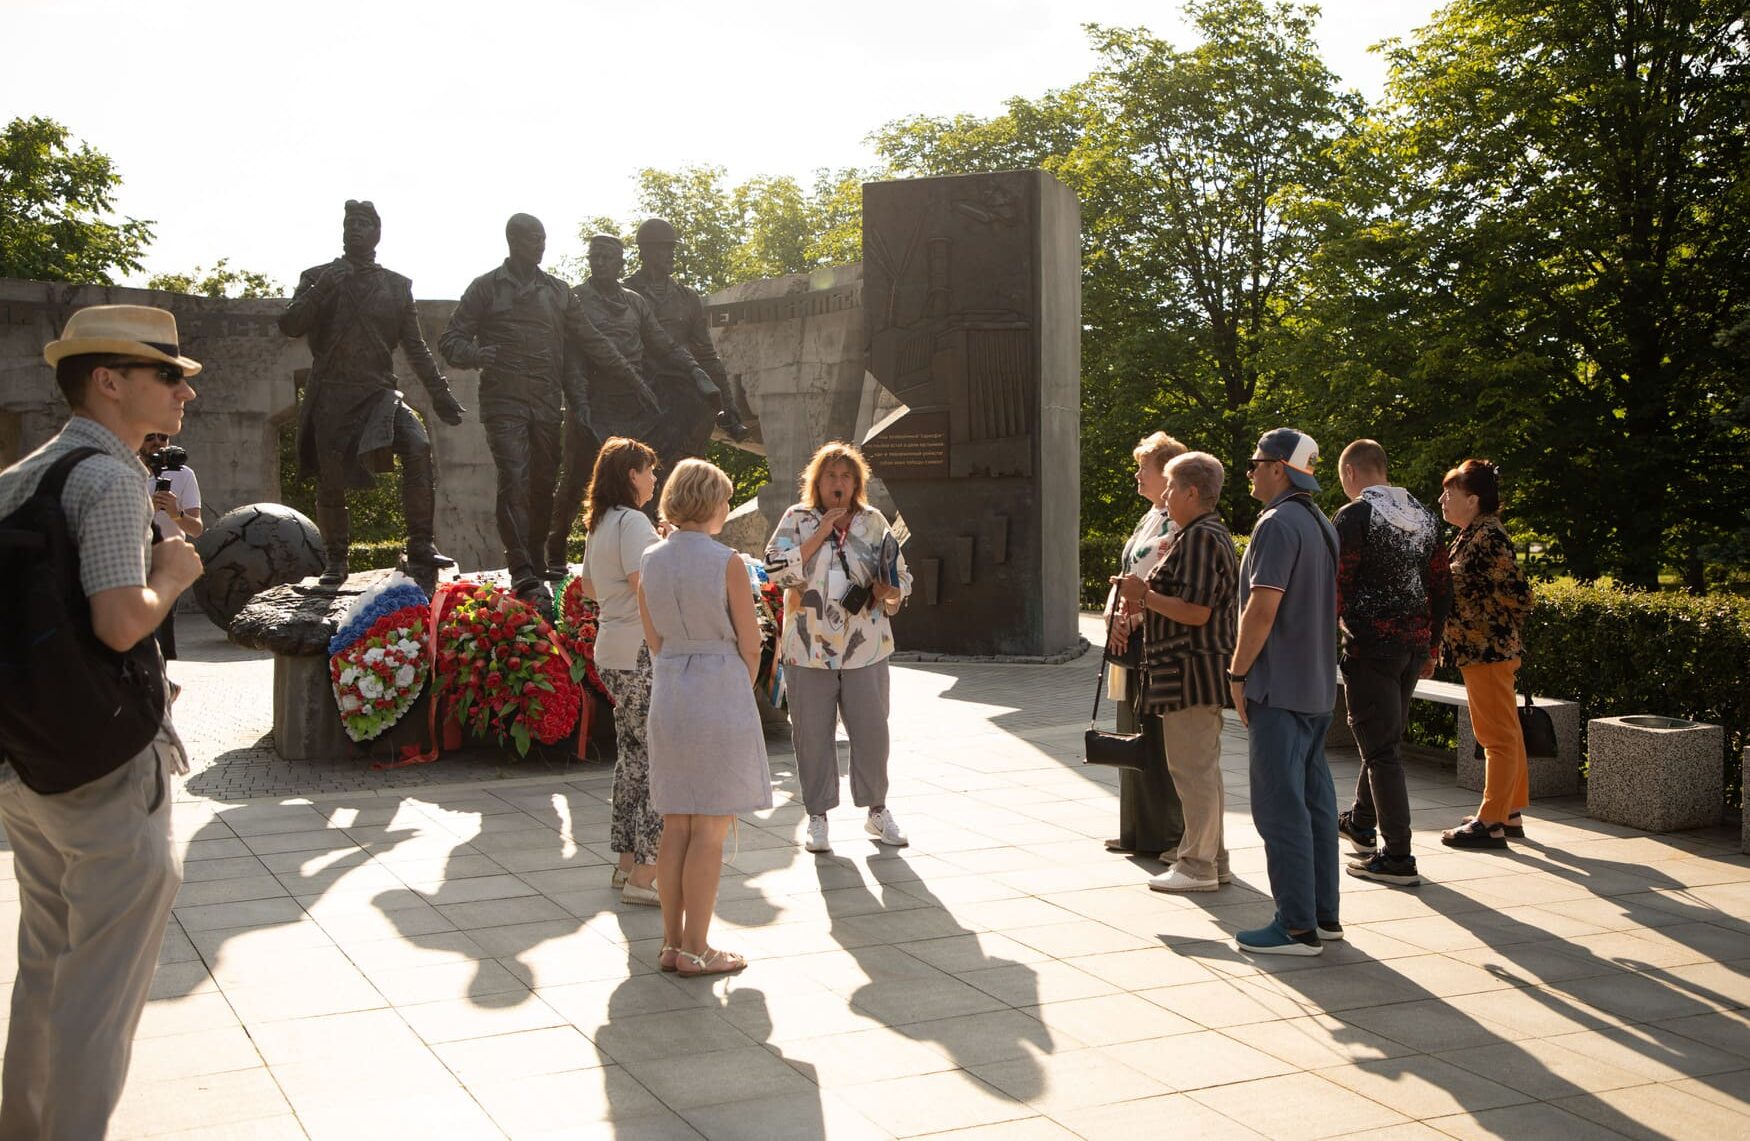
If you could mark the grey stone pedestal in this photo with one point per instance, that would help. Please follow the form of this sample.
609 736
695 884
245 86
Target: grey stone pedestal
1662 774
1550 776
306 721
1744 813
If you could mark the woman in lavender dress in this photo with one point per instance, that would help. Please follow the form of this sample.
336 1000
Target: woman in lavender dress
707 749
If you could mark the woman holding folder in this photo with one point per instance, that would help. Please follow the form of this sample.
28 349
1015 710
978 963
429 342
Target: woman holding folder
844 578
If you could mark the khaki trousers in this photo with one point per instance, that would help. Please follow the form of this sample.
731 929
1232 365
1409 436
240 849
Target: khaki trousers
1193 739
97 873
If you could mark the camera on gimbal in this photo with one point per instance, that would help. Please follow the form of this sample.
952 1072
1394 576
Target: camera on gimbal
168 458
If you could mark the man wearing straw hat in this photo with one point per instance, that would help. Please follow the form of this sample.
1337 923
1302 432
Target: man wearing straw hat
96 867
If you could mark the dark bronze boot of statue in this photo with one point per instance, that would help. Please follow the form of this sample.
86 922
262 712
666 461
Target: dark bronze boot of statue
336 528
419 504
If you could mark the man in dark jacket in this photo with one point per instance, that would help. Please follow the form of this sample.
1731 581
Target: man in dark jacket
353 422
1394 591
518 325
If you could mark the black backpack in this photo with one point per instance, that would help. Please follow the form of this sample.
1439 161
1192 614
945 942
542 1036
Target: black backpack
71 709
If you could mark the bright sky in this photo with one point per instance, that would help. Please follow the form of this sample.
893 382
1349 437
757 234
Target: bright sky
240 128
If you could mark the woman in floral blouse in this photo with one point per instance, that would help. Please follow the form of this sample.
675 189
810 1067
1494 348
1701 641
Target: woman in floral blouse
827 554
1490 600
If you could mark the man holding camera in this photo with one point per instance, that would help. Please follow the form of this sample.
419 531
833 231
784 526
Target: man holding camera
176 498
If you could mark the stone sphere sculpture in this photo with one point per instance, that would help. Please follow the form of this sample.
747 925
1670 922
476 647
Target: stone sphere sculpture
250 549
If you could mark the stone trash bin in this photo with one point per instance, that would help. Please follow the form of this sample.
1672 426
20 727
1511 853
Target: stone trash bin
1744 828
1550 776
1660 774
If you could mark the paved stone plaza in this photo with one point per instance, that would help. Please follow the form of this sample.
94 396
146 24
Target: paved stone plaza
434 952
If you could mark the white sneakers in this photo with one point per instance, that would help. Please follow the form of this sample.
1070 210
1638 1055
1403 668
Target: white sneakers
884 828
880 825
1175 879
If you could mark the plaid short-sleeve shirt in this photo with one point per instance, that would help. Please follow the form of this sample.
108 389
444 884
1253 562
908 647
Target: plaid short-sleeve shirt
109 510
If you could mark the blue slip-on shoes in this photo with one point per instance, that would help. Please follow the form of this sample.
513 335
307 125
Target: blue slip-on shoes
1275 940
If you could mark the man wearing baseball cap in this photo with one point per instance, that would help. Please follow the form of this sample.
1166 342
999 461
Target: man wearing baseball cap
1284 679
96 867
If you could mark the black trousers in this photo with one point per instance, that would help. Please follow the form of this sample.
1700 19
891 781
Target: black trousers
579 452
1150 817
1377 691
525 449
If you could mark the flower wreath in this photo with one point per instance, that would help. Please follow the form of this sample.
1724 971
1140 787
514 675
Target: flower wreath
501 669
577 621
377 660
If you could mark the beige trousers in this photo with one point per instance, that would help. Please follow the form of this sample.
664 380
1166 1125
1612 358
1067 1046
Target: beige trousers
1193 739
97 873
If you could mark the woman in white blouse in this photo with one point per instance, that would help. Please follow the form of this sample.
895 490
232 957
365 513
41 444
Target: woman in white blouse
619 532
839 594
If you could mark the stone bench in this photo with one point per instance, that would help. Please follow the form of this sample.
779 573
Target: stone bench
1550 776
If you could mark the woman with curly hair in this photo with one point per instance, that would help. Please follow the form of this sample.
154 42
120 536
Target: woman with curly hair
826 553
1490 599
619 533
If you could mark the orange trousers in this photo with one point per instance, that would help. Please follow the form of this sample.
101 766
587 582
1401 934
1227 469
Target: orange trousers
1489 690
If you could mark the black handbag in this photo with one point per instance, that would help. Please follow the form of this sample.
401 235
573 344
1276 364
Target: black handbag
1538 729
1115 750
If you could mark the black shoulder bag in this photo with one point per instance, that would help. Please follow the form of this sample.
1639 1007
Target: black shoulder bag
1116 750
1538 729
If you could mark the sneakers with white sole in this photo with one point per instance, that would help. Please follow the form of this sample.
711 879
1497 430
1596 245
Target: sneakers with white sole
817 841
884 828
1176 879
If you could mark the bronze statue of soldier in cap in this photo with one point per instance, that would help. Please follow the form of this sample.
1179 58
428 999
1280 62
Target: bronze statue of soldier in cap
629 321
530 339
353 422
690 410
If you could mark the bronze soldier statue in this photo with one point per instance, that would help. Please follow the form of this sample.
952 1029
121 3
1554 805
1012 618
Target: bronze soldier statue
353 422
525 332
616 409
689 411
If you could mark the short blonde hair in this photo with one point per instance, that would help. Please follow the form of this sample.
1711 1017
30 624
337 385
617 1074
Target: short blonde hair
835 451
693 492
1157 449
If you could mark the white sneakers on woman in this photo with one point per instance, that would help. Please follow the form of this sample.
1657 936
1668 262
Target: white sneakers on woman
880 825
884 828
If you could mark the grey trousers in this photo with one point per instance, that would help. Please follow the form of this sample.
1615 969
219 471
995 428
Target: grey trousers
819 699
97 873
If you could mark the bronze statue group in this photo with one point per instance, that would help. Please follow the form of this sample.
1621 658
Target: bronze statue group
561 370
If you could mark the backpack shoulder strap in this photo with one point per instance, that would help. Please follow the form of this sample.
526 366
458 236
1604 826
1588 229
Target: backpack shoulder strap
53 480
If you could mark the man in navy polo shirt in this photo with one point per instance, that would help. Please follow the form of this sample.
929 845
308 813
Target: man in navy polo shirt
1284 678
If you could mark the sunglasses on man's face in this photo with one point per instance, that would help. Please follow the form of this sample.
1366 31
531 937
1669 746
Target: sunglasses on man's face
1252 464
168 373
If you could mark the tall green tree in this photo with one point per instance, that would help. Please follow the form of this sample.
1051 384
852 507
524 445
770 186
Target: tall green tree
57 200
219 281
1570 190
1190 164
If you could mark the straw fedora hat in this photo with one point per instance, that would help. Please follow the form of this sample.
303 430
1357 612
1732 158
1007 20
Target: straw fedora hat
137 330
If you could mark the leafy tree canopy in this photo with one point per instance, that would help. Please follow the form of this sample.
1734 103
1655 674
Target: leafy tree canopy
56 204
219 281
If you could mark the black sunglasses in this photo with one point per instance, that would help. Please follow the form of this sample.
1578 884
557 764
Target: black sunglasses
168 373
1252 464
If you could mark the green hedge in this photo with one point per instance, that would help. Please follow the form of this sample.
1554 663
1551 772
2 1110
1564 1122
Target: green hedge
1618 652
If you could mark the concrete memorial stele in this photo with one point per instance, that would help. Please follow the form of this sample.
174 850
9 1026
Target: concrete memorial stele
972 316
